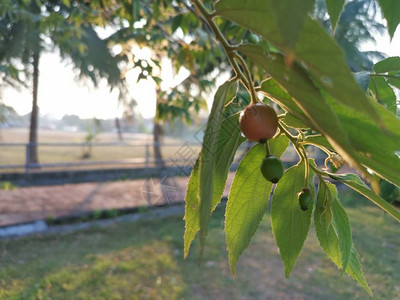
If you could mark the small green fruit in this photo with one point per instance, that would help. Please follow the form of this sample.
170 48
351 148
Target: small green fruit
305 199
272 168
253 38
388 191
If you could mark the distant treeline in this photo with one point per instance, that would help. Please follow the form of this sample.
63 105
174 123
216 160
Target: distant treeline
10 119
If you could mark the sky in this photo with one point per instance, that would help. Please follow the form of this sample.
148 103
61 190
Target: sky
61 94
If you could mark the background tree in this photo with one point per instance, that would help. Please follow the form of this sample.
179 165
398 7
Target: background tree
170 31
70 27
7 114
358 24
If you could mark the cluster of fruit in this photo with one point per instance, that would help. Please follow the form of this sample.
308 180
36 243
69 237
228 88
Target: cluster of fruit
259 123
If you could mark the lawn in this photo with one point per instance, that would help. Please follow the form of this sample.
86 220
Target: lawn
143 260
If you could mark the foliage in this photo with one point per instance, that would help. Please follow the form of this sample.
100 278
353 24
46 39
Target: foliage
356 24
6 112
36 26
327 92
7 185
91 134
352 117
171 30
28 28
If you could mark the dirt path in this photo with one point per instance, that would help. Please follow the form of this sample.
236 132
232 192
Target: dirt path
38 203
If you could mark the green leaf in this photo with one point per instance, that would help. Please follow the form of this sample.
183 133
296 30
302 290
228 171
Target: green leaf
391 12
290 224
274 91
307 97
313 47
294 115
135 10
387 65
376 148
334 8
383 92
290 16
394 81
224 95
229 139
327 203
248 198
333 232
176 22
318 139
354 182
192 212
293 122
343 232
67 3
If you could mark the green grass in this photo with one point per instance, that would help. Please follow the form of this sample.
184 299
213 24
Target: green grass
143 260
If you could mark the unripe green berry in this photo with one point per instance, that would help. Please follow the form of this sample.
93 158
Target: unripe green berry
272 168
253 38
304 198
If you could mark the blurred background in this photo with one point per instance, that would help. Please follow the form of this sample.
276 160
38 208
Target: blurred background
102 113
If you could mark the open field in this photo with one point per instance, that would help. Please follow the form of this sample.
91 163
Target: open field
175 149
144 261
56 154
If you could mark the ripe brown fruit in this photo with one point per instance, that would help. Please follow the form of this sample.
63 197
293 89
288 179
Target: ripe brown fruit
258 122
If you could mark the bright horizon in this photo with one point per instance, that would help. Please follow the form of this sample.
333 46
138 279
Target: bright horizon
61 94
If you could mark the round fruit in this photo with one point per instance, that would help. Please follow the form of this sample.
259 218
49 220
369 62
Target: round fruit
258 122
305 199
388 191
253 38
272 168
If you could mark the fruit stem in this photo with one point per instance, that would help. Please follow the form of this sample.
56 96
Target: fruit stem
301 152
291 137
208 18
326 150
306 166
281 116
250 87
230 50
267 149
319 172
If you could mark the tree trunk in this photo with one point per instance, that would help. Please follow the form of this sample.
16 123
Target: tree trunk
119 129
157 138
33 129
158 134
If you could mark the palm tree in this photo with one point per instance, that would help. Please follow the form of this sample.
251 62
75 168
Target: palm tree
192 48
357 25
24 31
